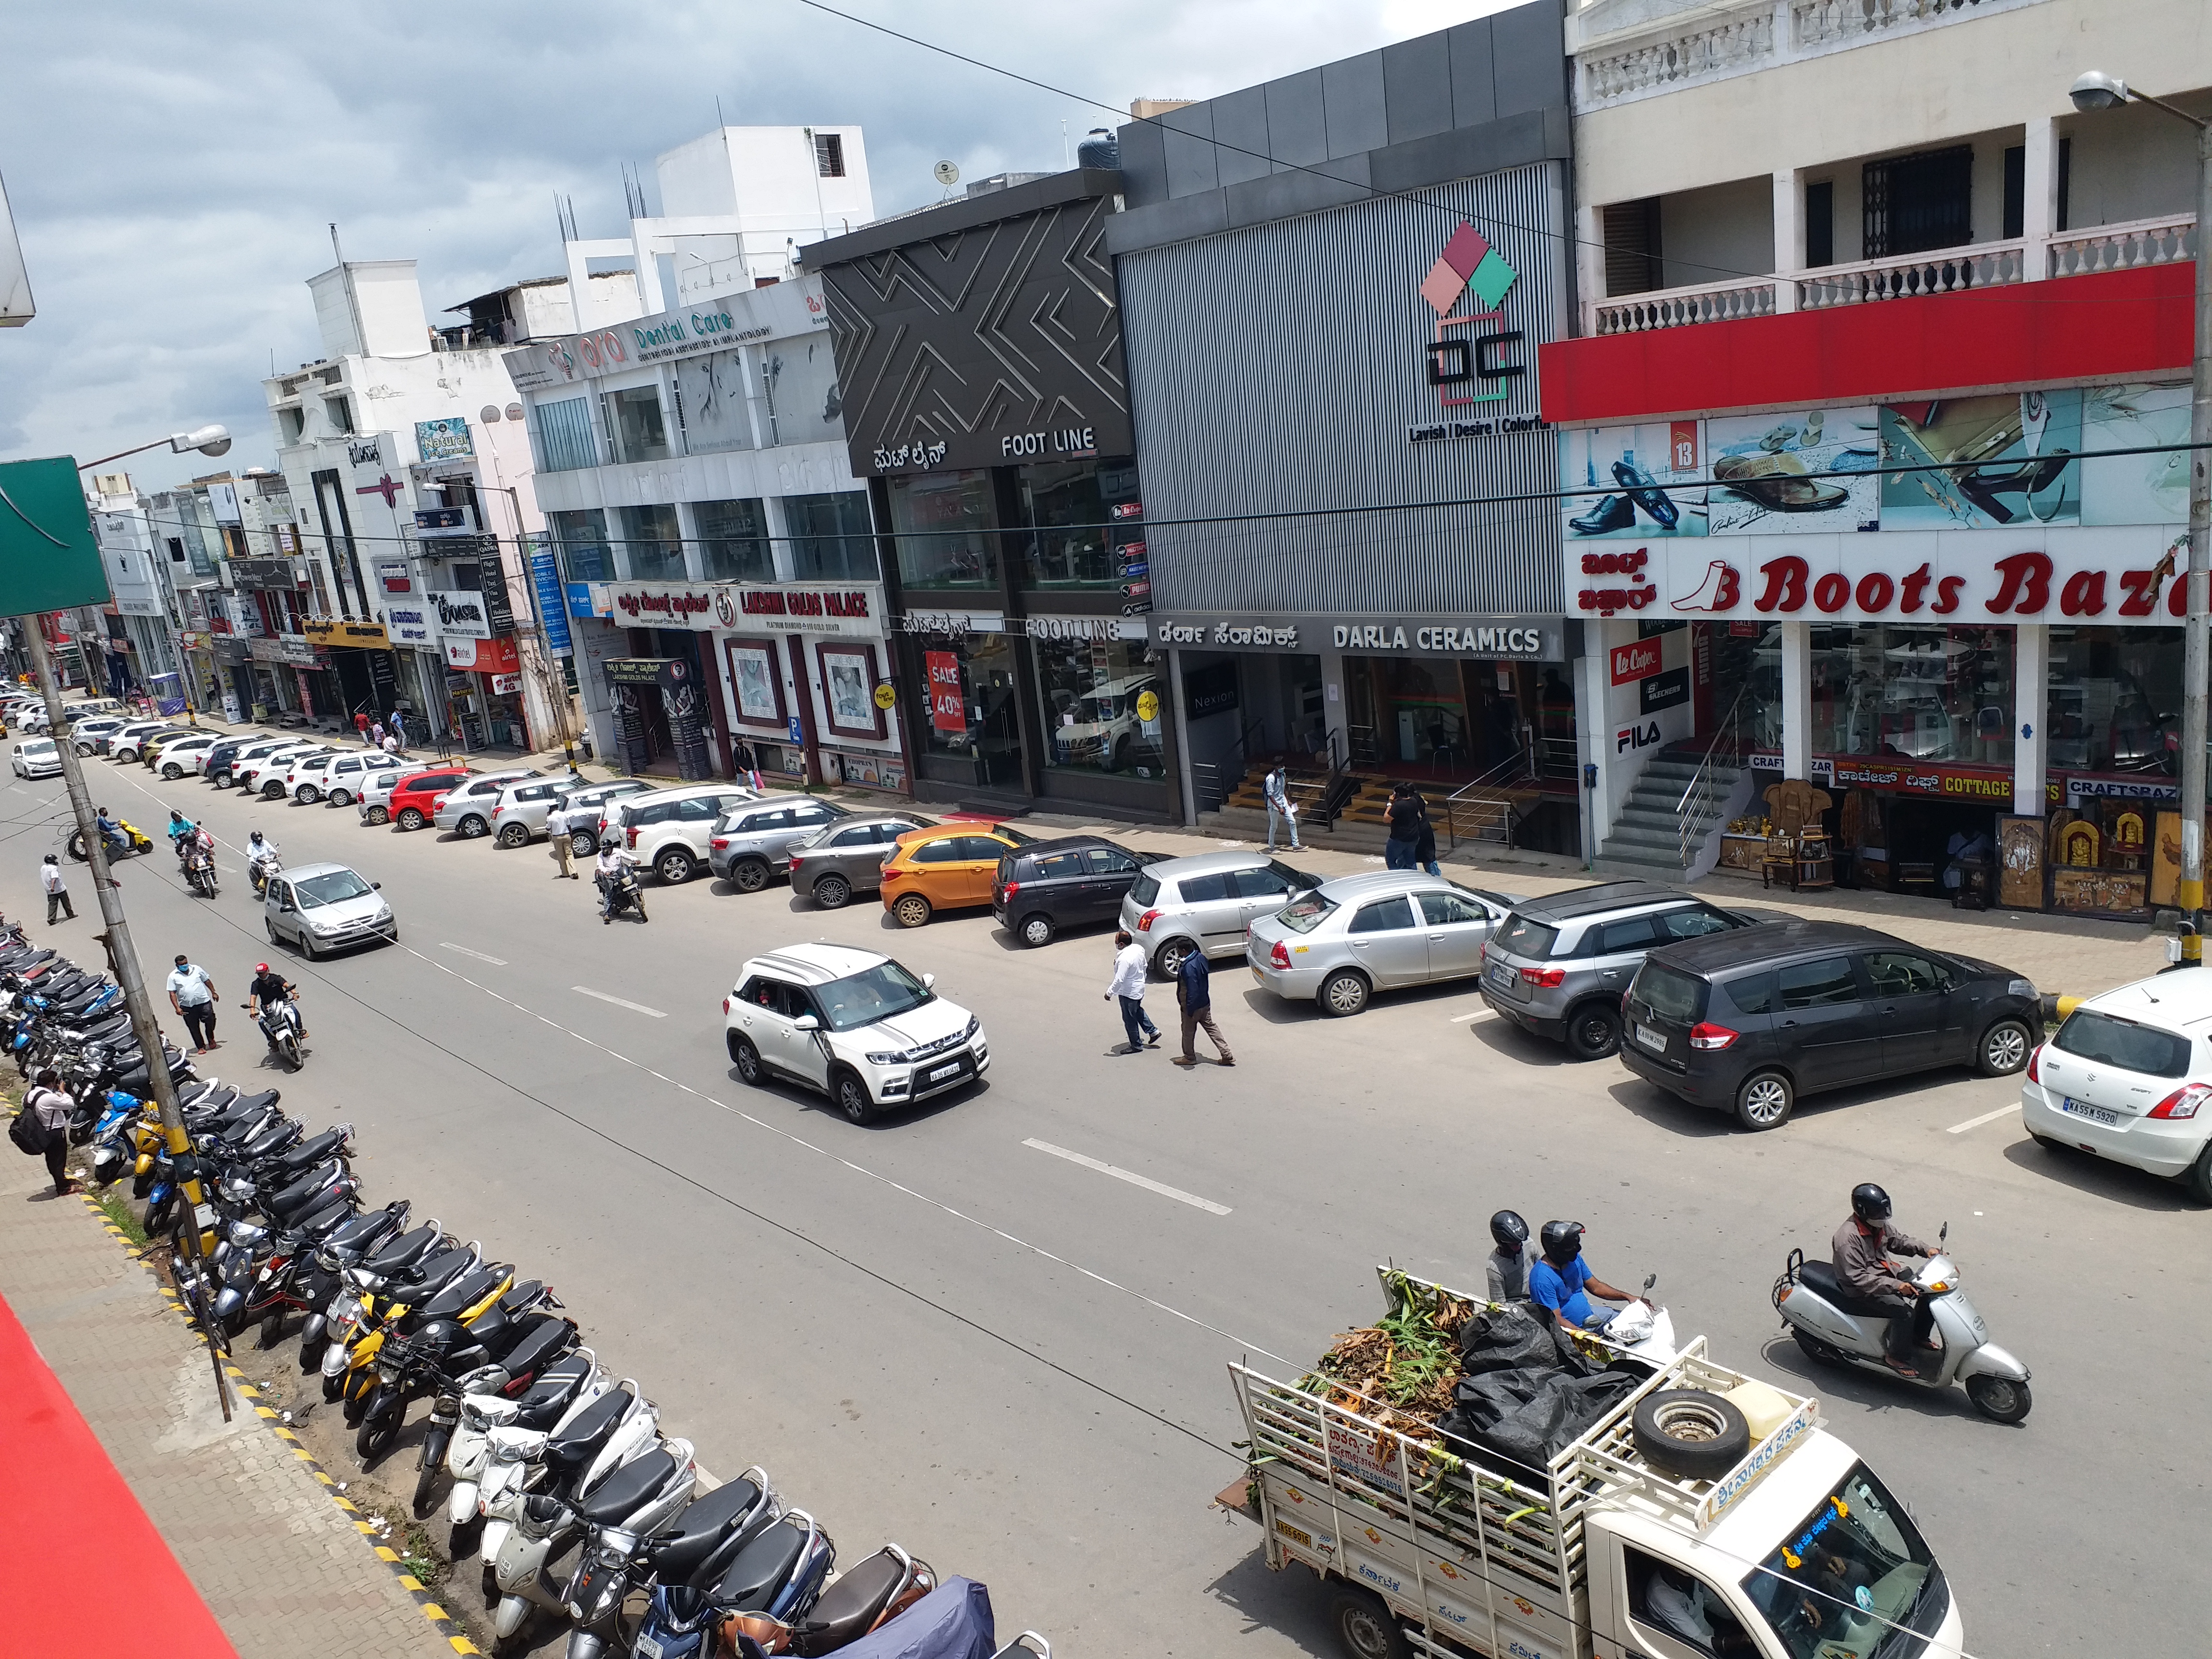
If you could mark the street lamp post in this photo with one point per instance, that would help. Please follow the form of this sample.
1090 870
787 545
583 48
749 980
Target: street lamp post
2096 90
208 439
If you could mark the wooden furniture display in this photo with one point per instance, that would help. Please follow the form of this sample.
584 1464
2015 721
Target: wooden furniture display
1798 849
1740 854
2020 863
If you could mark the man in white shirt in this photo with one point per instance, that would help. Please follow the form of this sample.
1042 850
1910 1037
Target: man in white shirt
1128 985
614 858
1281 808
58 898
192 995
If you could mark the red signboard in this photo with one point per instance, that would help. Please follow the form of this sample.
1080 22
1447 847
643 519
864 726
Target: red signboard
1635 662
948 708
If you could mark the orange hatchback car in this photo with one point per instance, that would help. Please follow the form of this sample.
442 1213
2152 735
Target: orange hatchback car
948 868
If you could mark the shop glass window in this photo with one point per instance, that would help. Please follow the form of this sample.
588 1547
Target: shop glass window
972 703
946 530
1089 691
831 537
2114 700
1065 509
564 435
710 404
799 378
652 542
581 537
636 430
1913 692
733 542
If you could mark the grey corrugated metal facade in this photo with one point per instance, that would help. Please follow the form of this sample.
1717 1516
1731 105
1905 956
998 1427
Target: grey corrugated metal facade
1279 369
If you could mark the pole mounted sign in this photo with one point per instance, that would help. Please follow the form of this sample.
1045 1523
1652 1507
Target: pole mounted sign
49 559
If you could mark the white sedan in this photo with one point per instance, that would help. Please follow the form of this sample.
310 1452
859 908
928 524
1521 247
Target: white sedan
37 757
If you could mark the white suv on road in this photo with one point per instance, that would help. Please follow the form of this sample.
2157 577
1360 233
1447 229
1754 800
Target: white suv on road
2124 1078
672 830
853 1023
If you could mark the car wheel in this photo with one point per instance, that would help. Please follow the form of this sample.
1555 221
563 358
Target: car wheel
515 834
307 948
1365 1625
1343 993
674 866
410 817
471 827
341 798
851 1096
270 928
1593 1031
1765 1101
2003 1049
749 875
219 780
747 1059
1037 929
308 795
583 843
379 815
171 771
911 910
2199 1181
833 892
1168 960
272 790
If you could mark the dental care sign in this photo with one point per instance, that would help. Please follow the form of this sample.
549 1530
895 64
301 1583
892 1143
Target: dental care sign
2119 575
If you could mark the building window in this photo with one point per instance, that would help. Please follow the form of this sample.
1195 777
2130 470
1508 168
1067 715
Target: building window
829 154
831 540
635 428
1917 691
733 542
1632 246
710 404
946 530
799 378
2113 703
2016 193
564 435
1089 692
1066 506
176 549
971 704
294 423
653 543
1820 224
339 413
583 538
1915 203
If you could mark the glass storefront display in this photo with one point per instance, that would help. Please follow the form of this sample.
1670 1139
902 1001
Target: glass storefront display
831 539
1093 697
652 542
733 544
945 525
972 711
1460 719
1067 506
582 536
2113 702
1913 691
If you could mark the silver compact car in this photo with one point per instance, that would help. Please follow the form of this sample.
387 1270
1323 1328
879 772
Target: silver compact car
848 857
1204 903
577 814
318 908
519 816
1354 936
753 844
466 808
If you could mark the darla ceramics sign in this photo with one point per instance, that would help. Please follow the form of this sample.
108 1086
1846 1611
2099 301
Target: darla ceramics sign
2117 575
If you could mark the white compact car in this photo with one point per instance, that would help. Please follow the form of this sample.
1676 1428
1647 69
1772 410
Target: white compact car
351 771
37 757
2124 1079
325 907
853 1023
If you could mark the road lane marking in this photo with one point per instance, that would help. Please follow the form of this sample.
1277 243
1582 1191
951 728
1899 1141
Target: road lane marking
1462 1019
619 1002
463 949
1986 1117
1132 1178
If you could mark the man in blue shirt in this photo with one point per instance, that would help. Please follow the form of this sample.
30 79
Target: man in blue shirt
1563 1283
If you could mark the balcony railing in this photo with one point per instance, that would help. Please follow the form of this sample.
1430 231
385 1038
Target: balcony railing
2168 240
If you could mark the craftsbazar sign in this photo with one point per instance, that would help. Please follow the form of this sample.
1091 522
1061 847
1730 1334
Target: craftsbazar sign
408 624
284 648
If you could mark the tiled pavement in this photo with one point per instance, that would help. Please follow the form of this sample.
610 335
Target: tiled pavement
283 1568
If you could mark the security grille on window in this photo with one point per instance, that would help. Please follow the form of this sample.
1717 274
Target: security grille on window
1632 260
1911 204
829 154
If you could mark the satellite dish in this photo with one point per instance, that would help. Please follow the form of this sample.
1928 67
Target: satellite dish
514 411
489 414
947 174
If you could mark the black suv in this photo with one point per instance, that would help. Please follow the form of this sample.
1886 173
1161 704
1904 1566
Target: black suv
1052 885
1745 1023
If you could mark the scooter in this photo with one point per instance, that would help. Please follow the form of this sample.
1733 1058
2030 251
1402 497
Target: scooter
1642 1330
620 1522
861 1600
260 870
280 1023
1833 1329
531 1469
135 839
493 1397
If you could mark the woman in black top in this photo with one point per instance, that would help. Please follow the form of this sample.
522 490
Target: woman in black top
1406 817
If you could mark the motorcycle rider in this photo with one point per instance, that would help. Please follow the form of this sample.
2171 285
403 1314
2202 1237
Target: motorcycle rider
1862 1249
614 862
260 858
265 990
111 833
1563 1283
181 831
1508 1267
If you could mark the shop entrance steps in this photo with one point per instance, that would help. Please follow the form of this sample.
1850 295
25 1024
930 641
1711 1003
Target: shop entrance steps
1648 834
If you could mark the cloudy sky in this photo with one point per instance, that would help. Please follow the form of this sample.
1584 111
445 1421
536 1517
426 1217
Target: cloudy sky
173 170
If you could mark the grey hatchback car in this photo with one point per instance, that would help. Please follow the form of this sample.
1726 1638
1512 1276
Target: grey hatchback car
1385 930
1558 967
1205 902
753 844
848 857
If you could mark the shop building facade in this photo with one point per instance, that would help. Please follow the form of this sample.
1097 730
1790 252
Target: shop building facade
1327 360
1902 489
979 349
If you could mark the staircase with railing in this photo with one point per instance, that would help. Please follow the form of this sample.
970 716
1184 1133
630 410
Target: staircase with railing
1677 803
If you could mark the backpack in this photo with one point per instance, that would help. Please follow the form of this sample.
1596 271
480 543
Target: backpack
31 1137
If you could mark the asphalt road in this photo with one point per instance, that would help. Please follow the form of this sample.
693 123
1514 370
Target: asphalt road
933 1331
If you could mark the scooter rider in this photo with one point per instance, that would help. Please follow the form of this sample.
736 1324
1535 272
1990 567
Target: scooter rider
111 833
614 862
260 857
266 990
1862 1249
1562 1283
1508 1267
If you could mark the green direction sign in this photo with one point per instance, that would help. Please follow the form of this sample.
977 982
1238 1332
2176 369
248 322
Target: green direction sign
48 559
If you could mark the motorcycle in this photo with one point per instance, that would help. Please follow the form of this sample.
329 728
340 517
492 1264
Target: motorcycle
325 1287
623 894
519 1328
1834 1328
261 869
135 841
860 1602
493 1397
280 1025
199 871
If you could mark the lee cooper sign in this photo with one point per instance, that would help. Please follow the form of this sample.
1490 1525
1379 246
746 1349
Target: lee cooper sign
2122 576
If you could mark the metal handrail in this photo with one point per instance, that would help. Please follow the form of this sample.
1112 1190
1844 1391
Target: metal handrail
1498 777
1701 799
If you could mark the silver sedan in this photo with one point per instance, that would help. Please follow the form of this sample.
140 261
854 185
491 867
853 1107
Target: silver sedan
1384 931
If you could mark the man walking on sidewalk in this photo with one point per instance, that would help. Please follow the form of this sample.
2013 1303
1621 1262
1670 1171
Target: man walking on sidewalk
1128 985
1194 995
58 898
52 1108
192 995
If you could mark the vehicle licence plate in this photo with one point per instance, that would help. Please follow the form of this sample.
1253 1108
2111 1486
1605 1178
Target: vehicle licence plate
1655 1041
648 1648
1505 978
2094 1113
941 1072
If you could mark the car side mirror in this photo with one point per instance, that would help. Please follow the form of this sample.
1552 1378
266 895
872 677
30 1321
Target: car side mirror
1943 1232
929 982
806 1023
1649 1280
377 885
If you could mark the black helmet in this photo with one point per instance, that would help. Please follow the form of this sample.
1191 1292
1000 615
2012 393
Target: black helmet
1870 1202
1563 1240
1511 1232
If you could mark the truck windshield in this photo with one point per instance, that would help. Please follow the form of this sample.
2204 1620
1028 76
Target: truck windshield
1854 1581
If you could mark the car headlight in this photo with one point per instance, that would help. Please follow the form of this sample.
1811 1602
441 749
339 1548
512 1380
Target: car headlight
896 1057
2021 988
975 1026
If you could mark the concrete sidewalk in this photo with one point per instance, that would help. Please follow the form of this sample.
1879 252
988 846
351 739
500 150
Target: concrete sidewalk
282 1567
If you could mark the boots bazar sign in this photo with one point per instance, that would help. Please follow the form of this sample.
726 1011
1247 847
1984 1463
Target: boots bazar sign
2118 577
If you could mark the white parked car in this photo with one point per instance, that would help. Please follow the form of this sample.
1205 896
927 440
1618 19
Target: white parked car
853 1023
182 755
672 831
37 757
577 814
254 776
342 781
130 741
325 907
279 782
87 734
2125 1079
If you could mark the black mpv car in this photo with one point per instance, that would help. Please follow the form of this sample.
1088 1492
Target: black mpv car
1052 885
1746 1022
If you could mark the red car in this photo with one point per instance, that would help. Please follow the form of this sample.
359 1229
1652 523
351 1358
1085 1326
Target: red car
415 796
